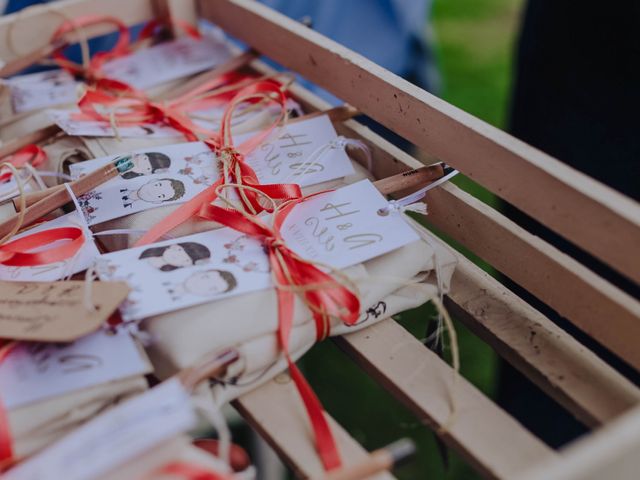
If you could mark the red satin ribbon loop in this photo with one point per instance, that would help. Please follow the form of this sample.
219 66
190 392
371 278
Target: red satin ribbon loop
120 49
326 299
18 253
31 154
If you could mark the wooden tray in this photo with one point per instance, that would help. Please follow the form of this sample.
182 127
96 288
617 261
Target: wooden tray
599 220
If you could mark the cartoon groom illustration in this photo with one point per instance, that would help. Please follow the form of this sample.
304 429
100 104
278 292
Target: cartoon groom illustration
155 191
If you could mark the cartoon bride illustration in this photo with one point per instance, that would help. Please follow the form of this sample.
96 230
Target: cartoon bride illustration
205 283
178 255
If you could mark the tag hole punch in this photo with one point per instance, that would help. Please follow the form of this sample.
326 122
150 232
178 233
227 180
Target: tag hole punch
383 212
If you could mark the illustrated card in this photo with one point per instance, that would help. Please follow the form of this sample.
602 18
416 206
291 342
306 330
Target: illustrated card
338 228
176 173
58 270
168 61
36 371
42 90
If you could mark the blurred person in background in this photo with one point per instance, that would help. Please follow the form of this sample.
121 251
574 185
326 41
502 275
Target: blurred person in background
576 97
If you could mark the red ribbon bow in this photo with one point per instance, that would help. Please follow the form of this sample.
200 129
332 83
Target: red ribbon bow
236 171
31 154
326 298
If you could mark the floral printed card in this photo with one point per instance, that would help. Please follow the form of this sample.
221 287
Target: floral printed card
304 152
338 228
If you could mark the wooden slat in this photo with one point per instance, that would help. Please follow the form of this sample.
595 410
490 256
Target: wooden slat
575 292
610 453
584 211
168 10
572 375
35 25
276 411
487 437
567 371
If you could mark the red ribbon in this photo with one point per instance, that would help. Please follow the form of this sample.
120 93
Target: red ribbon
239 171
92 72
6 449
131 107
18 252
31 154
329 299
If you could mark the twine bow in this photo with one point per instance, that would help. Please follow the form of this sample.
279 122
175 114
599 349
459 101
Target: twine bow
234 170
323 294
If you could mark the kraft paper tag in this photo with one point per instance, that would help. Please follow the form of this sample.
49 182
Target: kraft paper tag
55 311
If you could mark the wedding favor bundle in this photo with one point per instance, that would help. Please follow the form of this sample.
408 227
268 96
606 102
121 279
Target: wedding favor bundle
203 232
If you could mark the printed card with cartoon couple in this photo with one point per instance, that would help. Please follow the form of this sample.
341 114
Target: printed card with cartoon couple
306 152
175 274
339 228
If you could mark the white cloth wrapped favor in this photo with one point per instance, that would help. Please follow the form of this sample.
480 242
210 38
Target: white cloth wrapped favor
389 284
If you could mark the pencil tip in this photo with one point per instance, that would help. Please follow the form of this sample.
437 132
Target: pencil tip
401 450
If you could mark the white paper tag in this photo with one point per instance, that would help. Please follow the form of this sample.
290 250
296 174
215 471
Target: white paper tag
162 63
42 90
55 271
36 371
113 438
339 228
176 173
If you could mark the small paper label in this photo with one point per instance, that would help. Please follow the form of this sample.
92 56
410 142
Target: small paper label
36 371
339 228
55 311
113 438
176 173
168 61
42 90
55 271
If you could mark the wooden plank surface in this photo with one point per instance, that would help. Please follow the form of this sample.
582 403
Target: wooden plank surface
572 375
35 25
567 371
276 411
582 210
575 292
610 453
487 437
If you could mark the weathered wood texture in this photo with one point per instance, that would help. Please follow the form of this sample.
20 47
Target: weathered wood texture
486 436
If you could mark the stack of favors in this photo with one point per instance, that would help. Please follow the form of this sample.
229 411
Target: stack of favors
238 229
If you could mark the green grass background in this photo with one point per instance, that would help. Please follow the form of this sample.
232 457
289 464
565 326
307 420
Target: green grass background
474 50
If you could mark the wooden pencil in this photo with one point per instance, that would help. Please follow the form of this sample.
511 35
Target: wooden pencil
61 196
377 462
